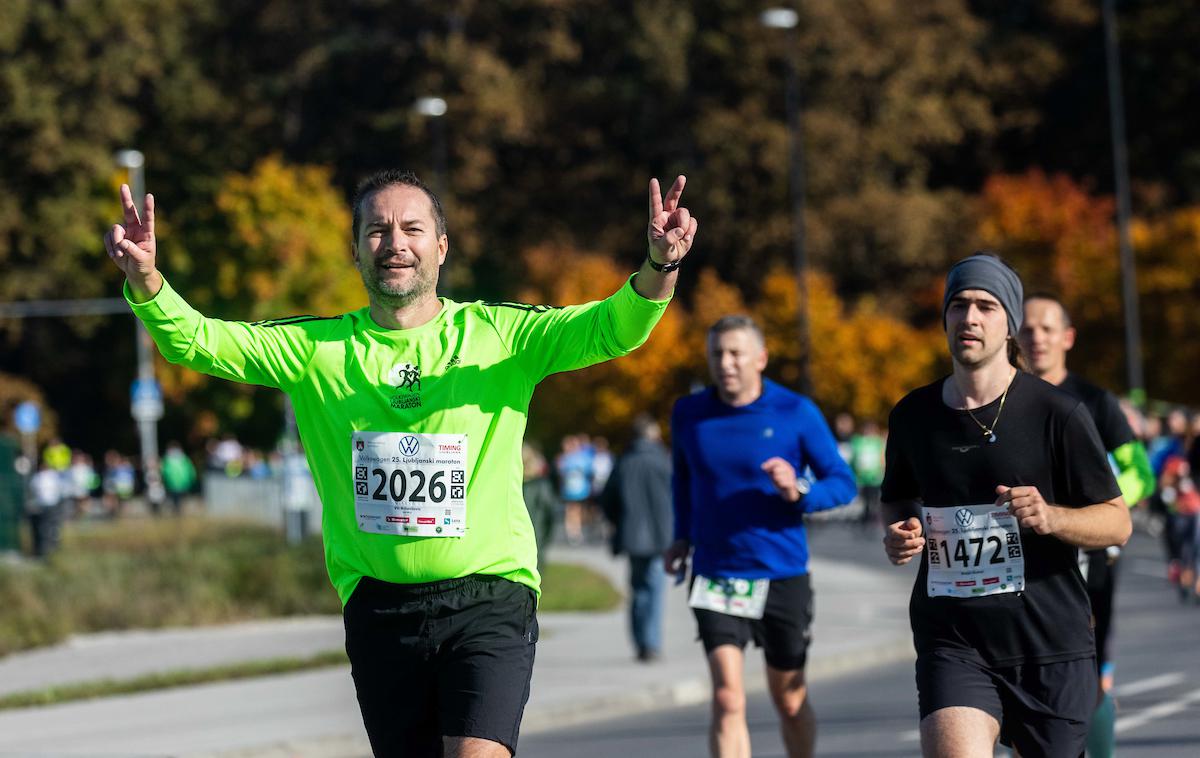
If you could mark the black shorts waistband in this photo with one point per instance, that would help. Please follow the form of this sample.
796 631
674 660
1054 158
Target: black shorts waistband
425 589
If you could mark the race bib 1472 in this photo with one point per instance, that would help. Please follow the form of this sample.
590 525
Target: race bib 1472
973 551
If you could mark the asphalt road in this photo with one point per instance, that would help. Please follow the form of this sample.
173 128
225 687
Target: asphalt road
875 713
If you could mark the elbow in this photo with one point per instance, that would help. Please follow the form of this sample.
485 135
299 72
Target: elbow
1126 527
1126 533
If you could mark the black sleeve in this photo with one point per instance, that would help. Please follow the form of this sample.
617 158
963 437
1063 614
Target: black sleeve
1088 476
1111 423
899 481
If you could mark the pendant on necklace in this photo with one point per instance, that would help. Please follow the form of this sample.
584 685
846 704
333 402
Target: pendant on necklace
991 438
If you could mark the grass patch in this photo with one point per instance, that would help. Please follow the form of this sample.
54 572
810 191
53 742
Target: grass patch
140 574
570 587
163 680
155 573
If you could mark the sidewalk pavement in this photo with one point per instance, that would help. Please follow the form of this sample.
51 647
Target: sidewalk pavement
585 671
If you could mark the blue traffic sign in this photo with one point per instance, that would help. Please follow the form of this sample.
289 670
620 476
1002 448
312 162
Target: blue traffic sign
28 418
146 400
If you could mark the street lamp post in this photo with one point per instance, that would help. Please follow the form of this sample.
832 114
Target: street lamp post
433 108
145 395
1116 116
788 19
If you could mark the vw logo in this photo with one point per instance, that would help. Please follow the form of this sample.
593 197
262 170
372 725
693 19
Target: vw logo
409 445
963 517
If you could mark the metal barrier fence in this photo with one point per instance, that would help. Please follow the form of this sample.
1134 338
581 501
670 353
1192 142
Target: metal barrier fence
285 501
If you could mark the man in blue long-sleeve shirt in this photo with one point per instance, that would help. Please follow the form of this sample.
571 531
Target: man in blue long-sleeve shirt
750 459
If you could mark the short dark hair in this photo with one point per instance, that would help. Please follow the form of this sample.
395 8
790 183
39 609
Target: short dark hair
734 323
1042 295
390 177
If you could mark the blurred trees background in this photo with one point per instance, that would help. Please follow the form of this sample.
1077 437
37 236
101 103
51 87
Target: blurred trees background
931 129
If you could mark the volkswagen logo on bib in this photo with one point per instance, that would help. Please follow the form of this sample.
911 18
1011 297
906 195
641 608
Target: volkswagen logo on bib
964 517
409 445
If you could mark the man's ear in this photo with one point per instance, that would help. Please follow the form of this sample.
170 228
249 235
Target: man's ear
443 248
1069 338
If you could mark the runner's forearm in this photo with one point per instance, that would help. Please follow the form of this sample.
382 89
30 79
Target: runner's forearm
1094 526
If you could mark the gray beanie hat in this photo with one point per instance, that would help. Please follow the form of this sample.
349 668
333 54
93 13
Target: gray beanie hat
984 271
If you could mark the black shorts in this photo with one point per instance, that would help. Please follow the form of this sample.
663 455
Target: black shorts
451 658
1044 709
784 632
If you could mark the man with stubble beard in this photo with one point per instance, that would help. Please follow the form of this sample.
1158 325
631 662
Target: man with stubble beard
412 411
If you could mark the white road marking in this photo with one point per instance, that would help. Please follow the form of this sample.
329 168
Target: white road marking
1160 711
1146 685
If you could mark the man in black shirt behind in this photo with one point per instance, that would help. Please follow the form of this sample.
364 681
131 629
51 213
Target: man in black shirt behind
994 477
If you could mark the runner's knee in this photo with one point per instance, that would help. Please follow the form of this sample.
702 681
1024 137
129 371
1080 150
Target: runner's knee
729 701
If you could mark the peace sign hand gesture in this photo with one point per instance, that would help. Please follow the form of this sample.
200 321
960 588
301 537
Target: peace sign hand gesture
132 247
671 228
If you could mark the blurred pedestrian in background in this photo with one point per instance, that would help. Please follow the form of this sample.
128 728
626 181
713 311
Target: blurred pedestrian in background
540 499
637 502
179 476
46 489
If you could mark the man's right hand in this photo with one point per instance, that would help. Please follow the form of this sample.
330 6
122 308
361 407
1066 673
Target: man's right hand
132 247
675 557
903 540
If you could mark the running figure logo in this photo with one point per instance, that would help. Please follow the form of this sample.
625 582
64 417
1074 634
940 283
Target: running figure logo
963 517
406 376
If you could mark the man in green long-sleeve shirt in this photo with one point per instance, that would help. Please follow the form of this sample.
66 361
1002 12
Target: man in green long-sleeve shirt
412 411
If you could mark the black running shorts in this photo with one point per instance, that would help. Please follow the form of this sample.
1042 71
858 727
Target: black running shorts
451 658
1043 709
784 632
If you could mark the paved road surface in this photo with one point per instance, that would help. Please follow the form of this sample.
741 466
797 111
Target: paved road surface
875 714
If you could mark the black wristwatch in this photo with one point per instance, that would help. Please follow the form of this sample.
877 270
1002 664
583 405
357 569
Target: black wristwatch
663 268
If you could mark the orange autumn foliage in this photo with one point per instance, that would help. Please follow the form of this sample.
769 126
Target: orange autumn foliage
864 362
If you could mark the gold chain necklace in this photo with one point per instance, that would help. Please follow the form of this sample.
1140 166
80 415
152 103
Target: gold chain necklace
989 431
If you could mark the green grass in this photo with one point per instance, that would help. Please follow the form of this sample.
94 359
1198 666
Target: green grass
568 587
154 573
163 680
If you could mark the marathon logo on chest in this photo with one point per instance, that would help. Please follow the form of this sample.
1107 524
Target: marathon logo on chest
406 378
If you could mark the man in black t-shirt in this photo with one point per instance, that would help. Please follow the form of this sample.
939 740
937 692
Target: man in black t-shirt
994 478
1046 337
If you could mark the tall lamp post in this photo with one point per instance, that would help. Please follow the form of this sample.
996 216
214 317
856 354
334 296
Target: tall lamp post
1116 118
788 19
433 109
145 394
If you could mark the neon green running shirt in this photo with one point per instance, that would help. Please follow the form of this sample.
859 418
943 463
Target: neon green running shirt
471 370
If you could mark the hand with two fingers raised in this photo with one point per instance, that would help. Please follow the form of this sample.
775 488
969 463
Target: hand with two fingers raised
672 228
133 249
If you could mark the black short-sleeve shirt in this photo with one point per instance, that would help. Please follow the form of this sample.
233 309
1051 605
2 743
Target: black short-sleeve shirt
939 456
1105 409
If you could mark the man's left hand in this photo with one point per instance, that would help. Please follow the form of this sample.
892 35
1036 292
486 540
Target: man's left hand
783 476
1028 506
672 228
